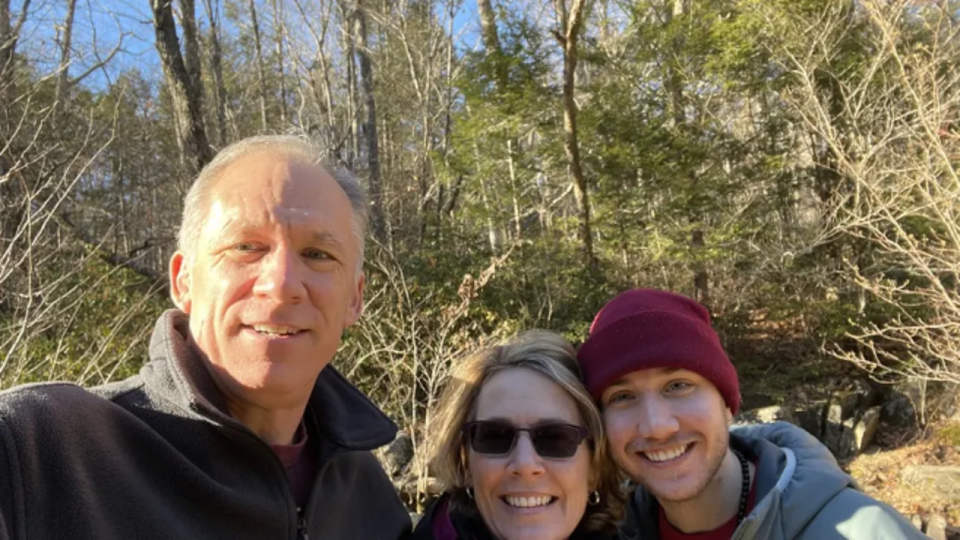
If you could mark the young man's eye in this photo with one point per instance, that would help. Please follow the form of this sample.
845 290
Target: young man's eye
678 386
618 397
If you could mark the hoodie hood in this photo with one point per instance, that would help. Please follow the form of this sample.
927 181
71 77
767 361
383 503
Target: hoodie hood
796 478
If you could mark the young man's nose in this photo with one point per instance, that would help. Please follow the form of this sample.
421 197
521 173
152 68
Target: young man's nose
656 418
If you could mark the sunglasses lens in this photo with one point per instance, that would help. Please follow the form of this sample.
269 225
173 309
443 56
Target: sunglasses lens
492 437
556 441
550 441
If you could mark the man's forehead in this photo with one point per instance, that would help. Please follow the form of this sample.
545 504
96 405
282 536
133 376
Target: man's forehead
269 168
271 187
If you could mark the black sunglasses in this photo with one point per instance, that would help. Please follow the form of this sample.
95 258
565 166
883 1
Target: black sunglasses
497 438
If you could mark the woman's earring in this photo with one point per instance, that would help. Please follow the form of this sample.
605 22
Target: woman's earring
470 492
594 498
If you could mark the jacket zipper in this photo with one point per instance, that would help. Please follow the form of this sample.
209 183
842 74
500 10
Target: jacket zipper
307 512
302 525
301 522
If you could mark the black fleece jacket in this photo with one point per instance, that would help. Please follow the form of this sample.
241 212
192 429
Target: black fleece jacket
151 457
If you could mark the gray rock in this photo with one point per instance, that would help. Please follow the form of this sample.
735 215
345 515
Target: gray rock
936 527
766 415
865 430
862 397
811 420
899 412
917 521
838 434
397 455
944 479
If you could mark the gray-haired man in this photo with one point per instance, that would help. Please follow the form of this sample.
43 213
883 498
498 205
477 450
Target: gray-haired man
236 427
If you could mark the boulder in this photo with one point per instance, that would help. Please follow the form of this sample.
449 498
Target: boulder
397 455
936 527
811 420
866 428
838 434
943 479
900 408
863 396
766 415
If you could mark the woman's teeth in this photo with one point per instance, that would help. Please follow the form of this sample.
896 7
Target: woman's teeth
668 454
528 502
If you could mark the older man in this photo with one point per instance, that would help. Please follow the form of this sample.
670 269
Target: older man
237 427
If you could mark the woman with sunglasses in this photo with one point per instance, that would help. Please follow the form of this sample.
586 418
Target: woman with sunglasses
518 445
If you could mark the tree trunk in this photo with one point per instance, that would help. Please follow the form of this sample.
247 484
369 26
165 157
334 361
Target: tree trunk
377 216
261 71
66 44
216 65
488 26
570 24
9 35
279 31
187 97
353 107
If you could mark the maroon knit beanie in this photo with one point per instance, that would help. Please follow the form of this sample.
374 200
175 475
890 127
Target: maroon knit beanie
646 328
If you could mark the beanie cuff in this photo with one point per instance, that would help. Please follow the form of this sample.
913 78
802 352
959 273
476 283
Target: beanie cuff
657 339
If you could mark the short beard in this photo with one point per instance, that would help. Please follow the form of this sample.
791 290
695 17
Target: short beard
720 444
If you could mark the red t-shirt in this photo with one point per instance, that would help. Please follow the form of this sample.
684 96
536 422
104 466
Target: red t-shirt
300 463
723 532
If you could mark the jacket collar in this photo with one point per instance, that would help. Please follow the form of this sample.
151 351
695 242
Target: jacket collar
345 416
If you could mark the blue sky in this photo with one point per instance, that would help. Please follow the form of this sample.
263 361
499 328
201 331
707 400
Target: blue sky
101 24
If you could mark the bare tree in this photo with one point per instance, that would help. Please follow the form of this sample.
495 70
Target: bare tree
279 34
261 68
375 180
570 22
9 36
66 42
212 8
896 143
182 73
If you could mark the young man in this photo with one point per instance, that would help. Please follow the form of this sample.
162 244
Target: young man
668 394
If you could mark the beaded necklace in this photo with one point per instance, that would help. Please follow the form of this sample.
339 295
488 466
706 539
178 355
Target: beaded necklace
744 487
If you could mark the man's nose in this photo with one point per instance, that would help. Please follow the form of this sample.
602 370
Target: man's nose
524 460
657 419
280 276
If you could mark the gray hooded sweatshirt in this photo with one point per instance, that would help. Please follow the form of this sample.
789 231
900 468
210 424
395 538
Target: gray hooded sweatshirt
801 494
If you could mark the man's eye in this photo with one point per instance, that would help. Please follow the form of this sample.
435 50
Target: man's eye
677 386
619 397
316 254
246 247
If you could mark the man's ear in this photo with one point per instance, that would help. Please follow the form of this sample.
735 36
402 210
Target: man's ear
355 307
729 416
180 282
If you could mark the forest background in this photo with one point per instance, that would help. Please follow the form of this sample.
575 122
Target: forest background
792 164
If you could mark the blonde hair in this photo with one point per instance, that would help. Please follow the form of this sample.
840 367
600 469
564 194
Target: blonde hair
553 357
